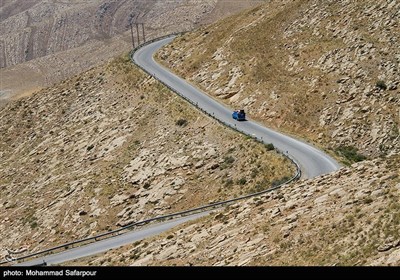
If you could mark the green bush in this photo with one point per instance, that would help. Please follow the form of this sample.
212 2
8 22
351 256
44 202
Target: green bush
34 224
350 153
242 181
381 84
270 147
181 122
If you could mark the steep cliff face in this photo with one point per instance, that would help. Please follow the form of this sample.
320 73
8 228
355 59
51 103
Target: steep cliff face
325 70
39 28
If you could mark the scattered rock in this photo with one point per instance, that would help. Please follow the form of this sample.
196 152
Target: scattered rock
275 212
82 213
199 164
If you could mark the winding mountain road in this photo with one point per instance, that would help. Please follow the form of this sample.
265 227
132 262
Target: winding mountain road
312 161
110 243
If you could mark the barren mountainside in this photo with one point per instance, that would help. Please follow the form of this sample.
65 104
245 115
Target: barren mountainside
109 145
112 146
327 71
350 217
324 70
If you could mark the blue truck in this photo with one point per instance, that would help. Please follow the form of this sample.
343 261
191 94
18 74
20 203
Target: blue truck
239 115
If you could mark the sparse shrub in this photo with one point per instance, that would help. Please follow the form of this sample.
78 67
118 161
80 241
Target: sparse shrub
146 185
270 147
254 172
181 122
381 84
394 132
242 181
350 153
276 239
260 186
265 228
229 160
284 245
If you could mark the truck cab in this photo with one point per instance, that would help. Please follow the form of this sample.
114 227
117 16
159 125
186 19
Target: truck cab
239 115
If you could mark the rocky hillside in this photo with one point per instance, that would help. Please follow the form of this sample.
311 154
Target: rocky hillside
112 146
48 41
32 29
351 217
325 70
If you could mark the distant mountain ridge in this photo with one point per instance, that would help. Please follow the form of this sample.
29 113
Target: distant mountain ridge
48 41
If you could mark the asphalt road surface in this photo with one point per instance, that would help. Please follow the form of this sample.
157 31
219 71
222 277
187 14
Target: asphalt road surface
110 243
313 162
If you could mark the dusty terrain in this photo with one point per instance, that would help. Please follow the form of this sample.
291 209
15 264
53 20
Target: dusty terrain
112 146
325 70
